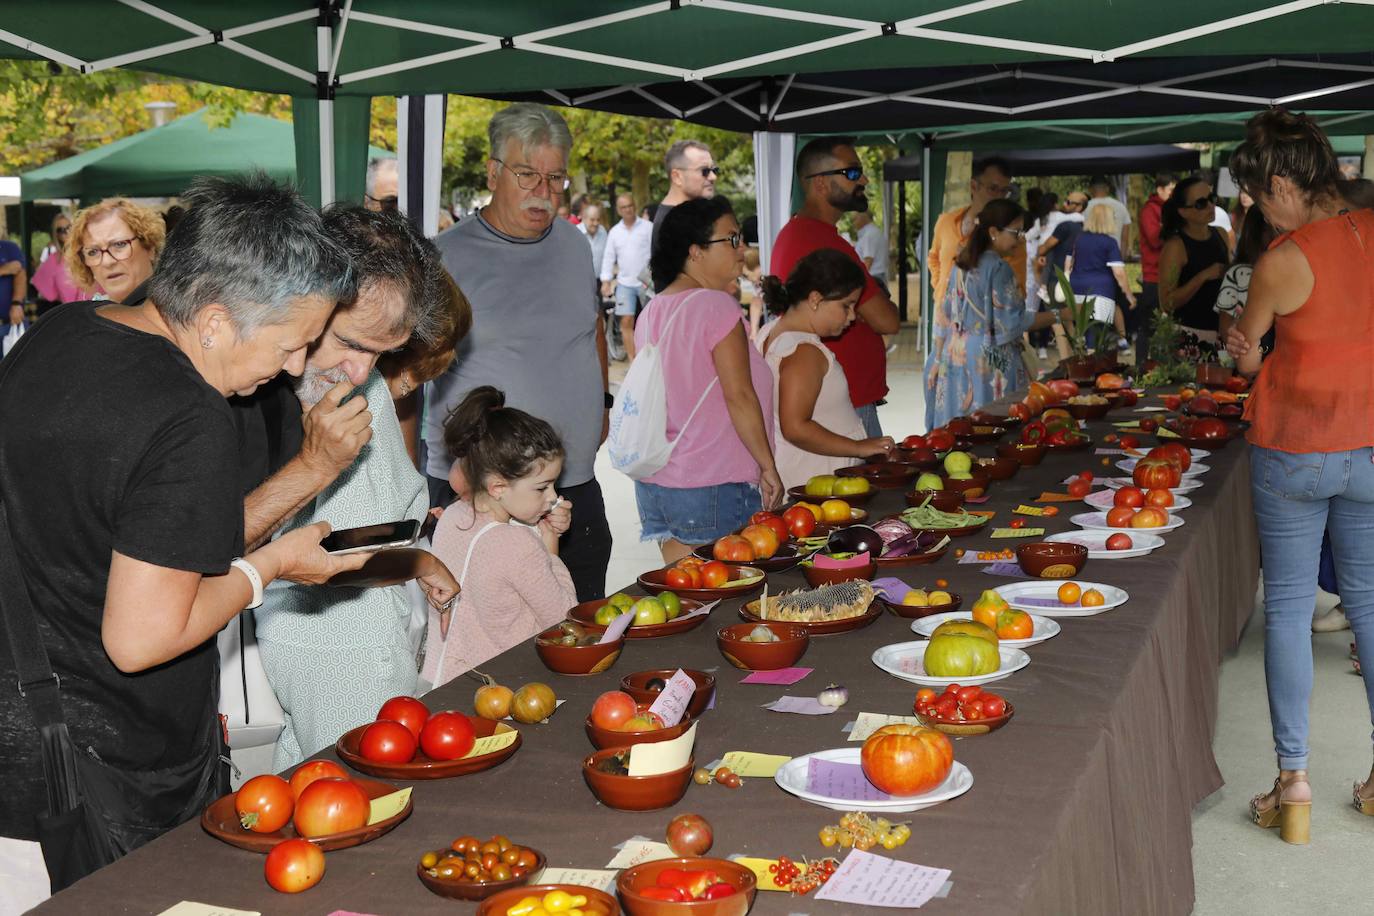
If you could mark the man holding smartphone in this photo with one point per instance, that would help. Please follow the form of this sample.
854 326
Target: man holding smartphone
328 445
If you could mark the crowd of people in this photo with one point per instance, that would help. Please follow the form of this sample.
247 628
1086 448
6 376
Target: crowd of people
284 371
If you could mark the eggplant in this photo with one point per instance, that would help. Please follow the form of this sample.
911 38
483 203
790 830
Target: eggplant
890 529
914 543
855 539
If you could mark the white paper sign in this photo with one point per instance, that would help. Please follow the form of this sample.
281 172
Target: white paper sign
601 879
806 706
639 849
617 628
870 722
864 879
673 699
662 756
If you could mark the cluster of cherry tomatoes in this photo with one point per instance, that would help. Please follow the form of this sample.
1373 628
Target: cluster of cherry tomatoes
959 704
404 726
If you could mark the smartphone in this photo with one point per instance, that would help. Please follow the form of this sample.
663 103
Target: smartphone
372 537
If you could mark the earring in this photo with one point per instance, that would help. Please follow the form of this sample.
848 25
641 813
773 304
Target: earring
207 342
405 387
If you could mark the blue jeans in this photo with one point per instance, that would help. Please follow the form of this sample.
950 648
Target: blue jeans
694 515
628 300
1297 497
868 415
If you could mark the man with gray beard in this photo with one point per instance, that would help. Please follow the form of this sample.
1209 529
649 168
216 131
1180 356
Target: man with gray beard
333 447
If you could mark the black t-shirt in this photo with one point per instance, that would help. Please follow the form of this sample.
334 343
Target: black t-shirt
111 440
659 216
269 429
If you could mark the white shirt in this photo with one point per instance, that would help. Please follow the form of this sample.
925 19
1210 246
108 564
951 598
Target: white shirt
1119 210
12 335
871 243
627 252
1222 220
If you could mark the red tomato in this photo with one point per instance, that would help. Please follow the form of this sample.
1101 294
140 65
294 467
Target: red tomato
1130 441
734 548
800 521
941 440
330 805
612 709
951 689
264 804
1160 499
409 711
715 575
293 866
655 892
447 736
925 696
1120 516
1132 497
906 759
946 707
1156 473
993 705
1018 523
1086 475
969 693
385 741
763 539
717 891
777 524
678 578
1120 542
1148 426
973 711
312 770
1079 488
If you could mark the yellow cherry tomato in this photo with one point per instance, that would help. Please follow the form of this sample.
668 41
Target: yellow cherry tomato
525 907
562 901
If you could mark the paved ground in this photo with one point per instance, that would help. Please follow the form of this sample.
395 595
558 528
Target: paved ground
1238 868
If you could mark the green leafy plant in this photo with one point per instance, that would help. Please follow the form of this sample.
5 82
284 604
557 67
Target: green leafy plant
1081 321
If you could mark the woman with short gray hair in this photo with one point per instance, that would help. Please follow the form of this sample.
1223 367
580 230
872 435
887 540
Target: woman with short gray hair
121 519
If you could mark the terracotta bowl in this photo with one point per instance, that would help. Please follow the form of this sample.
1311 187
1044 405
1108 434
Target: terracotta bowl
816 577
592 659
1000 468
1028 455
912 612
921 458
1088 411
1052 559
884 475
474 890
971 488
992 419
599 903
762 656
609 737
635 793
967 728
943 500
646 874
634 685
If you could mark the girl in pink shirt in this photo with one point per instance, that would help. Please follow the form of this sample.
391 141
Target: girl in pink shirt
500 540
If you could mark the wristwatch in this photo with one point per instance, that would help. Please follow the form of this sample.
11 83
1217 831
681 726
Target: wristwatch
254 579
610 400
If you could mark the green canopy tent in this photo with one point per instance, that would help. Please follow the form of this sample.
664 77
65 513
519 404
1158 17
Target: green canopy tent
162 161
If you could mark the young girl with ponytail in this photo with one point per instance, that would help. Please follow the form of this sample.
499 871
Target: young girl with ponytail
500 539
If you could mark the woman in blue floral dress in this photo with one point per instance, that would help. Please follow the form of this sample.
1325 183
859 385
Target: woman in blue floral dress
975 351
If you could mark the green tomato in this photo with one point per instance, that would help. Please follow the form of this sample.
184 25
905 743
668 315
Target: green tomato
606 614
622 601
672 604
649 611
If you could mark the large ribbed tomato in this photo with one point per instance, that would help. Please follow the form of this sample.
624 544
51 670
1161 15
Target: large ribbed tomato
1176 452
1156 473
906 759
331 805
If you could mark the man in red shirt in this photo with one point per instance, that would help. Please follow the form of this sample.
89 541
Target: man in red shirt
1151 221
834 183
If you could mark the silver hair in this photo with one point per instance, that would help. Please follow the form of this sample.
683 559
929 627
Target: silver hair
374 168
530 125
676 157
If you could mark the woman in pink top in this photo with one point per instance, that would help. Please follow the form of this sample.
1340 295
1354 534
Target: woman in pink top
821 431
721 470
53 282
501 541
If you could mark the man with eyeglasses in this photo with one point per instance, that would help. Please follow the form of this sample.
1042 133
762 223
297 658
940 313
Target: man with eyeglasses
625 259
991 179
383 184
833 181
538 333
692 173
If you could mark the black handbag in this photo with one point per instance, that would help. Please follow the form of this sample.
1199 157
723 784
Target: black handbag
96 812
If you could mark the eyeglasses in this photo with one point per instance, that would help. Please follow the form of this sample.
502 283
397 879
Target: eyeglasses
385 203
850 172
1019 233
119 250
996 190
735 239
62 230
528 179
706 170
1076 203
1202 203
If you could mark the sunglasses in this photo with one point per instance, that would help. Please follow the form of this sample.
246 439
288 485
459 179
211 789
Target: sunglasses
1202 203
851 173
706 170
735 239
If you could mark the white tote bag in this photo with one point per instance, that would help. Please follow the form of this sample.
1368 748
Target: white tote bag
638 440
252 714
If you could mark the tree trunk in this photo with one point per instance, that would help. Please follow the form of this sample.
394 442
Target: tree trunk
639 185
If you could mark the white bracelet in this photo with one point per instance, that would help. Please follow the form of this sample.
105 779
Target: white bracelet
254 579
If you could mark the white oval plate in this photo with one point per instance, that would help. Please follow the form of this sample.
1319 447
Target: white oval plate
791 777
1188 484
1016 594
1195 470
1096 541
903 660
1102 499
1044 628
1094 521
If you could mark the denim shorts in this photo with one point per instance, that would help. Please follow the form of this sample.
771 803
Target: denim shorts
694 515
628 300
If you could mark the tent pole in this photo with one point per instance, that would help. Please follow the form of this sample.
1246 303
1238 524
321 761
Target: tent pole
324 49
901 249
923 323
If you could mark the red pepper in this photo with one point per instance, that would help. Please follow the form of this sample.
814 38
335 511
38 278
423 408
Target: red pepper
1033 432
689 883
1058 437
655 892
718 890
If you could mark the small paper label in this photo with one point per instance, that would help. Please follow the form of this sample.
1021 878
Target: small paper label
864 879
504 736
1028 510
617 628
601 879
1109 451
760 869
747 763
639 849
191 908
1003 568
1017 532
1166 433
1048 497
388 806
662 756
869 722
844 781
985 513
781 676
671 703
806 706
1151 409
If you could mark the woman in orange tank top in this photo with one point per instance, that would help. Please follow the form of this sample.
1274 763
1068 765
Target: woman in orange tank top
1312 415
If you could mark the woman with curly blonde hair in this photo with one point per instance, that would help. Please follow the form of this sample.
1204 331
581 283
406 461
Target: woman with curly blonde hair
114 246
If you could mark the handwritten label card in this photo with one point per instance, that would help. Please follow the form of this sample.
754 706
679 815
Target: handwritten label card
841 780
601 879
1109 451
617 628
663 756
1166 433
1048 497
1017 532
671 704
806 706
747 763
864 879
1023 509
870 722
760 869
781 676
388 806
504 737
638 849
191 908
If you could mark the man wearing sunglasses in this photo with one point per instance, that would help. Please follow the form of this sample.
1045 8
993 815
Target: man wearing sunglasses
383 184
833 181
692 174
991 180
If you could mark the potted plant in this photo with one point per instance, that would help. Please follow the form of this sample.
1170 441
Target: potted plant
1079 323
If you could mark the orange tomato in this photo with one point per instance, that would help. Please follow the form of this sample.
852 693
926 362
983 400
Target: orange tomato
1051 510
714 575
1150 517
1092 598
1014 624
1070 592
1161 499
906 759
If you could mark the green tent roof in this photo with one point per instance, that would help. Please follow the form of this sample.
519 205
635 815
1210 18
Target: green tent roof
162 161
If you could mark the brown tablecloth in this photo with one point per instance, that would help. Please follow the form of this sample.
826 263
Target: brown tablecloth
1081 804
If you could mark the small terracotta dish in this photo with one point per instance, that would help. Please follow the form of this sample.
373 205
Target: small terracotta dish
636 685
1052 559
635 793
477 890
638 877
762 656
